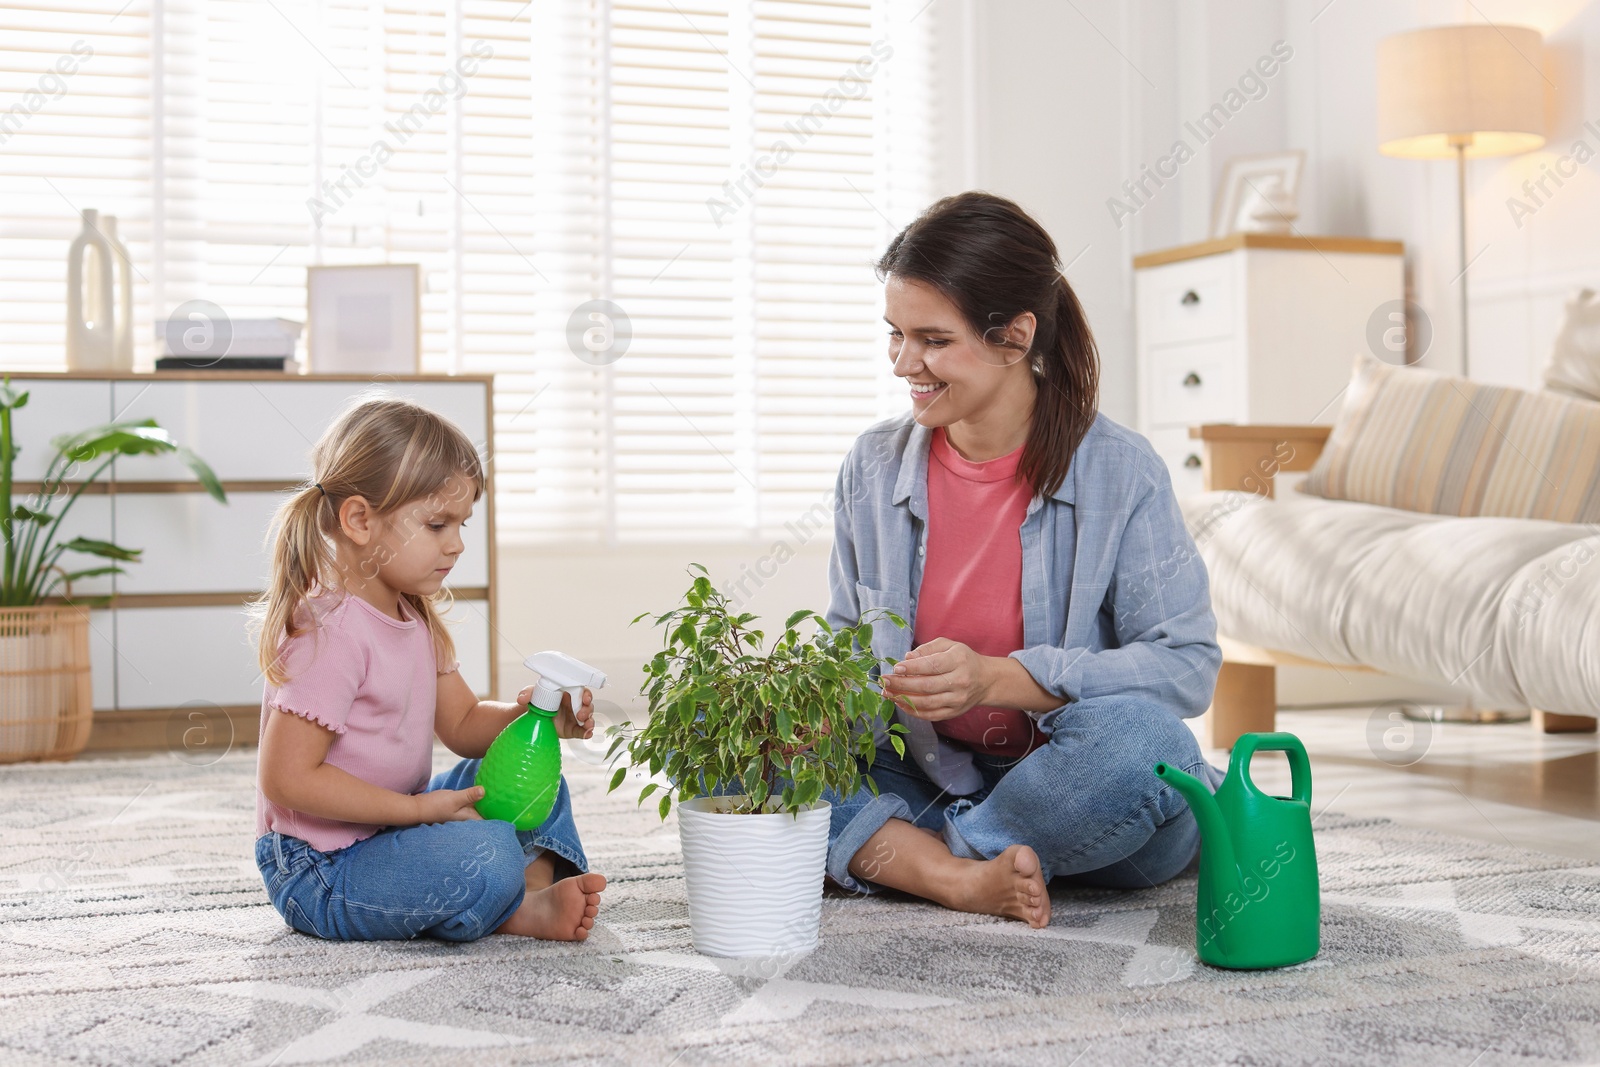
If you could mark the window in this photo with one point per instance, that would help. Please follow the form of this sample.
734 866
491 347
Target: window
698 185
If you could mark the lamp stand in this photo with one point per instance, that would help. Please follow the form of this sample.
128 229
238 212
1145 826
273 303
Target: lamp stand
1460 142
1465 711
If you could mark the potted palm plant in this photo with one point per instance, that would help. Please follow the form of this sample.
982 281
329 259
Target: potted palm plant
750 740
46 706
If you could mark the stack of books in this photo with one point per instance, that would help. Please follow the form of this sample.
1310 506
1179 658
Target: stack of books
240 344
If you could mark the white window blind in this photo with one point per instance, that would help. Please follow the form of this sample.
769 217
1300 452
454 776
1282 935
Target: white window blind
724 172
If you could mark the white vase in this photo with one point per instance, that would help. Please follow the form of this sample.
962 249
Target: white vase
91 340
122 319
754 881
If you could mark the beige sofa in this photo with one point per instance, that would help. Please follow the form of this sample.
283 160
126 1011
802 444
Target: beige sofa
1506 607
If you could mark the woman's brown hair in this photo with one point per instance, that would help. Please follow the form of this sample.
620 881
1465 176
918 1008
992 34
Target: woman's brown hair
993 262
394 453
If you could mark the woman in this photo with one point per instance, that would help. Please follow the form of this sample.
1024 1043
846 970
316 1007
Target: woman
1059 618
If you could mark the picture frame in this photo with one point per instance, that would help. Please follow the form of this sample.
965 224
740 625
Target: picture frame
364 319
1258 194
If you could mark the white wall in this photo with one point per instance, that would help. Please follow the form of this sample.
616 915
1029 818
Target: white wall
1053 125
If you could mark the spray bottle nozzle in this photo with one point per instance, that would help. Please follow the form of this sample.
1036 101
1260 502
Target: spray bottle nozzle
560 673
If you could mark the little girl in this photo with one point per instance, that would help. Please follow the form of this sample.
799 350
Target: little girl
354 841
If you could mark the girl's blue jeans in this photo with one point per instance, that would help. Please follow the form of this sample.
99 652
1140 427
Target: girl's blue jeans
454 880
1087 801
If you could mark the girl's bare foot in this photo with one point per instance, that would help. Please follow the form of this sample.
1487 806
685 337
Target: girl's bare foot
563 911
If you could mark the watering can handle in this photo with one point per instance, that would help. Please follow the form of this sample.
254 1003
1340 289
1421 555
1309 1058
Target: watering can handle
1299 763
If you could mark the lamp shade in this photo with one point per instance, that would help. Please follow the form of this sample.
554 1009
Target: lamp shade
1479 87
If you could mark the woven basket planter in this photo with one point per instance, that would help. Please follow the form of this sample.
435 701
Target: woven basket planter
46 703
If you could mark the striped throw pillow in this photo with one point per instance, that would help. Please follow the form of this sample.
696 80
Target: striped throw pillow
1424 441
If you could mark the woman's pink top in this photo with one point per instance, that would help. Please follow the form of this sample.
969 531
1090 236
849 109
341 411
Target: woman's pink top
371 679
972 580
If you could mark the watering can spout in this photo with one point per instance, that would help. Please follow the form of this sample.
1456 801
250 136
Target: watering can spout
1214 835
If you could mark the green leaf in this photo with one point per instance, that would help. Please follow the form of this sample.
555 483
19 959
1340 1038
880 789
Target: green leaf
796 617
203 473
616 779
10 398
93 572
102 548
124 438
666 804
899 745
646 791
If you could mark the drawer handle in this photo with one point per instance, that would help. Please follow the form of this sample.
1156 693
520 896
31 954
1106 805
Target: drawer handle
1191 380
1192 461
1190 297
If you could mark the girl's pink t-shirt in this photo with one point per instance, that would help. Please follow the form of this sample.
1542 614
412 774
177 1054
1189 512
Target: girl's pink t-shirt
372 680
972 580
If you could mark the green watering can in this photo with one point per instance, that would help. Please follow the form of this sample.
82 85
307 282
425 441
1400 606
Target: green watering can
1259 903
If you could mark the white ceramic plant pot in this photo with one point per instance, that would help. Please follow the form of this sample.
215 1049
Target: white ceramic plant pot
754 881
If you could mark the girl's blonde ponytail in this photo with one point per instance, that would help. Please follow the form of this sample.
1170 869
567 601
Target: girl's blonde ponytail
389 450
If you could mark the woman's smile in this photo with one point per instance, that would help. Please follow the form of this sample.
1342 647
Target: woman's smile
924 391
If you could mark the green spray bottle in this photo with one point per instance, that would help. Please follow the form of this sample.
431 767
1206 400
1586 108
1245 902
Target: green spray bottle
521 772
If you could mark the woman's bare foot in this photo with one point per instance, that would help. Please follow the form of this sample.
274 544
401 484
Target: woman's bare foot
1010 885
563 911
916 860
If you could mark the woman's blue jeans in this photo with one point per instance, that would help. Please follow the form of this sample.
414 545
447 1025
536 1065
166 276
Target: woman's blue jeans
453 880
1087 801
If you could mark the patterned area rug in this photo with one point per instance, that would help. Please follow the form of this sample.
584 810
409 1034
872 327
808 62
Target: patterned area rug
136 931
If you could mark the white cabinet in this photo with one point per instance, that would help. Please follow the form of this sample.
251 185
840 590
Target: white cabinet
1253 328
264 428
173 657
174 635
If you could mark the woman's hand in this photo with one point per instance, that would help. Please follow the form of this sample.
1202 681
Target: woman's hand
944 678
576 725
447 805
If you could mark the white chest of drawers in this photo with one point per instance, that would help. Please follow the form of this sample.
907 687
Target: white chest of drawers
172 649
1253 328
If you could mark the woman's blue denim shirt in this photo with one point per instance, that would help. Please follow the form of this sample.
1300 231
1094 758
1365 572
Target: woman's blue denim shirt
1115 598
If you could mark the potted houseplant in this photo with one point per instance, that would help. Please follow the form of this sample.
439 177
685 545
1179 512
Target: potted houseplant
750 740
46 706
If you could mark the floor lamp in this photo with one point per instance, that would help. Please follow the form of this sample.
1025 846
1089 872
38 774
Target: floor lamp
1461 92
